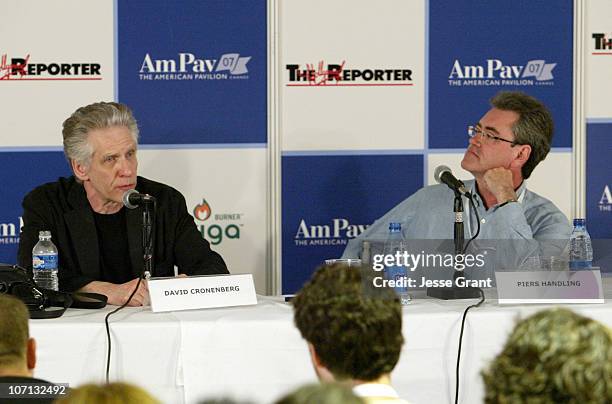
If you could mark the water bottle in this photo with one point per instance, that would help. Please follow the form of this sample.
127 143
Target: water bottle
44 262
581 250
395 243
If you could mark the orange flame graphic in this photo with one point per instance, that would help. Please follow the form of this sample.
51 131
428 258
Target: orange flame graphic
202 211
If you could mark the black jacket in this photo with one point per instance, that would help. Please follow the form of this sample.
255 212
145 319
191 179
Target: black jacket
62 208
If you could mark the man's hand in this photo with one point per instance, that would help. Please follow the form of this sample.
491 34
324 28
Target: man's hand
499 181
119 294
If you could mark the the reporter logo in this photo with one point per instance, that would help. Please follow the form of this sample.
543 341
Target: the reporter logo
602 43
219 226
30 68
341 74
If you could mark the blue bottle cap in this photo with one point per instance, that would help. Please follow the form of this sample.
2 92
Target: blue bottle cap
395 227
579 222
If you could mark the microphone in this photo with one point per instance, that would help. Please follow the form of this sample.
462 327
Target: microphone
444 175
132 199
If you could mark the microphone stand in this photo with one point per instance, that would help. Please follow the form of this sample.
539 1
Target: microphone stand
148 213
456 292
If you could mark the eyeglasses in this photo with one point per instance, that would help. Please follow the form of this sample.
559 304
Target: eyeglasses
486 137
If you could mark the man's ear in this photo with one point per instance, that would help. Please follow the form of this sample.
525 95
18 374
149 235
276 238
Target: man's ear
31 354
322 372
80 170
313 354
524 151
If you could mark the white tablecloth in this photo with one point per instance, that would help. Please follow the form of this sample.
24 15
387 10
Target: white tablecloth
256 353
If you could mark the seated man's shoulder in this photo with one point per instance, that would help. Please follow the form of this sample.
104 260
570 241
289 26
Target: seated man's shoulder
435 191
157 189
538 203
52 190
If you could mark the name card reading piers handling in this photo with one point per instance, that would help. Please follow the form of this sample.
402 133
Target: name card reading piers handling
549 287
201 292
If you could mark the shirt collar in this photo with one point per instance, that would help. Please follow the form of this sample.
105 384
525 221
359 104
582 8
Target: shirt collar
471 185
375 390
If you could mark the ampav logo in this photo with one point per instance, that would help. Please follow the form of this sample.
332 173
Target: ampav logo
189 66
605 203
496 72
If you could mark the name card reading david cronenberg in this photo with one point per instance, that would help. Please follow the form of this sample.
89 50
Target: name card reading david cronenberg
201 292
549 287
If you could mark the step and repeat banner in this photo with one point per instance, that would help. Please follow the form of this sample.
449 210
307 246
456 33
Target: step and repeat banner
371 97
598 82
375 96
194 73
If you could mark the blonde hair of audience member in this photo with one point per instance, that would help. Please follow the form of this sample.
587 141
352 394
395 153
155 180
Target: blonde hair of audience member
554 356
322 393
112 393
17 349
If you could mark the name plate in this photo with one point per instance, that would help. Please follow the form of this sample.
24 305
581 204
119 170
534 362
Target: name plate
201 292
549 287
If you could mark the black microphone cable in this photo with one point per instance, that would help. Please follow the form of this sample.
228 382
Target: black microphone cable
108 336
140 278
482 299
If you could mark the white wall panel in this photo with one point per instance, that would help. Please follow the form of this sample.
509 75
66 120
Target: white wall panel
387 34
233 182
598 61
60 31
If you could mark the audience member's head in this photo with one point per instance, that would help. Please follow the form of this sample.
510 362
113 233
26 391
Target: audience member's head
554 356
17 349
112 393
353 333
323 393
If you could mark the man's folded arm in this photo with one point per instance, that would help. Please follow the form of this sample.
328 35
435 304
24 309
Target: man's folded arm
193 253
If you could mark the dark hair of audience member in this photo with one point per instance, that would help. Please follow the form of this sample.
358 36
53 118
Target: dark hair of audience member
355 330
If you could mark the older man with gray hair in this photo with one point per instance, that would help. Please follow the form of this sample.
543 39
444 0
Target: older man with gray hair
99 241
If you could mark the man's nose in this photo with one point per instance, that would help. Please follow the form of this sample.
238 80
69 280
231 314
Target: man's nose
125 168
476 140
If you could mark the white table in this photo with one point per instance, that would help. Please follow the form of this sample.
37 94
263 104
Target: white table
256 353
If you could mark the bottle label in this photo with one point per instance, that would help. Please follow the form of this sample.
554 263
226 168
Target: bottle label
44 261
398 274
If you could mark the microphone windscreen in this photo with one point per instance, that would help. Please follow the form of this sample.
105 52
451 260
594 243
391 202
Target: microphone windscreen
439 171
126 199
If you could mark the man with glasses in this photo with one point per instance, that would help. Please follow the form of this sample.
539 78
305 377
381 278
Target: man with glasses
504 147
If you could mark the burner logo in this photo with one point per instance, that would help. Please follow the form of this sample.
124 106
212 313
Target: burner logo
186 66
605 203
221 226
22 68
495 73
202 211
